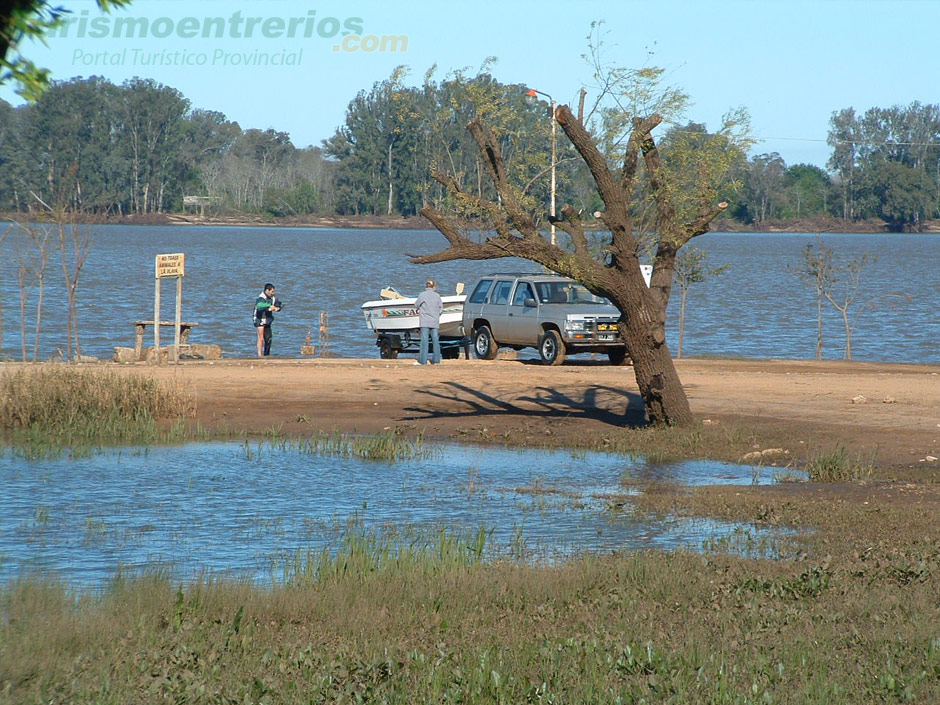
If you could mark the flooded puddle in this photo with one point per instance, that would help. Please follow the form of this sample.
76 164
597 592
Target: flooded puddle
241 509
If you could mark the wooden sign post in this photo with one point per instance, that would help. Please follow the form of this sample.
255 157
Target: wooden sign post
172 265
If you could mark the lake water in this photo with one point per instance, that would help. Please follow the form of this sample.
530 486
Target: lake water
757 308
242 509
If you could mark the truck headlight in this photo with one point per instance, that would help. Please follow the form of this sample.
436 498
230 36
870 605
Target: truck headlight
575 325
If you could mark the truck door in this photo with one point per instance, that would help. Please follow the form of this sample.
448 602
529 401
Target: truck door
522 322
497 309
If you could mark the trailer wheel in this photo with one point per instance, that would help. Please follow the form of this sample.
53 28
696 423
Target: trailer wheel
386 351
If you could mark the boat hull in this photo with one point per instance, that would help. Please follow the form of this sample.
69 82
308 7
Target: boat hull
394 315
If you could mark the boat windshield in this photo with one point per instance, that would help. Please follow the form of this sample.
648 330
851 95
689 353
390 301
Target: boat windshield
566 293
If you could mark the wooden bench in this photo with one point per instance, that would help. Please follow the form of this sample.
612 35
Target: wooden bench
141 329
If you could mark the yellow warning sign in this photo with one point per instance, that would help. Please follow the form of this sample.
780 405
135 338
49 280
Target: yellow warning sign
172 265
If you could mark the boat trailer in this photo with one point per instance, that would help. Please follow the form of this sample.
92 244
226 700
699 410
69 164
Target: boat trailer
391 343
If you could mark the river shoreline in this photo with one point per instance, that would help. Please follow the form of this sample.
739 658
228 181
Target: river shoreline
395 222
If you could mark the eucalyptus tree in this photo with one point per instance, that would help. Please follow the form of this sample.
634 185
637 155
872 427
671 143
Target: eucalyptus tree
807 192
901 195
888 163
643 194
844 138
207 137
764 186
394 135
522 127
304 185
256 162
376 149
11 162
151 138
71 137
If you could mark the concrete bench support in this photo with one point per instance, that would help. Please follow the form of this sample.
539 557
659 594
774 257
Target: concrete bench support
141 328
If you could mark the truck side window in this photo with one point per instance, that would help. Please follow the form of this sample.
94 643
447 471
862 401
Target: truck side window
552 293
501 293
523 292
479 293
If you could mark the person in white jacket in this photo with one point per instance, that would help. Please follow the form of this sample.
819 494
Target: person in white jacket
430 307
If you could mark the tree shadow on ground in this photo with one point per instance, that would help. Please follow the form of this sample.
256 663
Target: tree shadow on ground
547 402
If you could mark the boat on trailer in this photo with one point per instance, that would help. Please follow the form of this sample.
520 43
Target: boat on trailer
394 320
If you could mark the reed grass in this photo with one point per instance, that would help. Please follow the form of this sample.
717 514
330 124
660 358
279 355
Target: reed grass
389 445
50 406
837 466
362 555
380 623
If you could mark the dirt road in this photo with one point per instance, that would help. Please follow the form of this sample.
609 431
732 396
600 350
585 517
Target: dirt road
888 412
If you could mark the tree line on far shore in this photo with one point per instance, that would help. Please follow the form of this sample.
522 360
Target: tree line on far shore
90 146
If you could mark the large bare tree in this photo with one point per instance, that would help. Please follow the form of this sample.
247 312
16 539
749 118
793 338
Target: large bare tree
651 209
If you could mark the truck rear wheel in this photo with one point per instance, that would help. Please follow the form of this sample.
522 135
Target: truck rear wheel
483 344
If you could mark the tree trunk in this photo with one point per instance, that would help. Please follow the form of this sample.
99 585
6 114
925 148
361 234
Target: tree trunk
388 210
848 333
819 323
653 366
660 388
685 293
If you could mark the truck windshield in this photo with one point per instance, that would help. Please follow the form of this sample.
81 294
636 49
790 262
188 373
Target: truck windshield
566 293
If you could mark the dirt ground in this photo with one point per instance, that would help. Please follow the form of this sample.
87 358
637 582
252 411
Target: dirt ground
888 413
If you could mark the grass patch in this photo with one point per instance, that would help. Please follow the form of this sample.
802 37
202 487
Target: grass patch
665 443
50 406
389 445
837 466
362 555
398 624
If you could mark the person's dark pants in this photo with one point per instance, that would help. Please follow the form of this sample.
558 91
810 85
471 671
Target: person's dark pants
267 340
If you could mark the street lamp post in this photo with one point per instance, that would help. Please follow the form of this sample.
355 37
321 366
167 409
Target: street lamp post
532 94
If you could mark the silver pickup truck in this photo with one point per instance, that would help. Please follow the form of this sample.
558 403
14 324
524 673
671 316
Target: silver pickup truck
551 313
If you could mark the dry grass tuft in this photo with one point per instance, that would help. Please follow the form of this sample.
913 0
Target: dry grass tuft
67 404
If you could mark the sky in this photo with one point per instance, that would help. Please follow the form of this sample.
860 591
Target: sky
294 65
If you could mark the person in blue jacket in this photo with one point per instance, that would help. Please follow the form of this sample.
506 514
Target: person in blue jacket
430 307
265 306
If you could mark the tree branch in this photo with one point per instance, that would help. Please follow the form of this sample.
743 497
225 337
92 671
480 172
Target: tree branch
665 209
489 147
492 210
616 201
701 224
641 133
461 247
572 225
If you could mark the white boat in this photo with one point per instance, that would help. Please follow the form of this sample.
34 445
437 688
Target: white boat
395 312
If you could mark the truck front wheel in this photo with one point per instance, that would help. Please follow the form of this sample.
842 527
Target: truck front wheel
552 348
618 356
